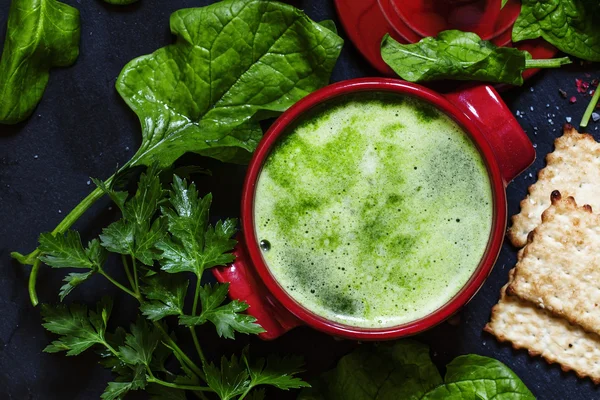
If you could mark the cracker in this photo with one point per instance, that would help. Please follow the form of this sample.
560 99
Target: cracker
573 169
542 334
560 266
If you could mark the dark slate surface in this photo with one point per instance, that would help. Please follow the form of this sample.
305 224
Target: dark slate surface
82 128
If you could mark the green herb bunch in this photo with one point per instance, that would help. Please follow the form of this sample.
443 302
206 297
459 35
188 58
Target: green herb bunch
163 238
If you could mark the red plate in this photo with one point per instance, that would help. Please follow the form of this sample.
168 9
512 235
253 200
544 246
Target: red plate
367 21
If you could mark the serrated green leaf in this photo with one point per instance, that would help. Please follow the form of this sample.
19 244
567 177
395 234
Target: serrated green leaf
139 344
116 390
194 245
234 62
66 251
276 371
165 294
146 240
227 318
230 380
117 197
43 34
78 329
119 237
73 280
142 206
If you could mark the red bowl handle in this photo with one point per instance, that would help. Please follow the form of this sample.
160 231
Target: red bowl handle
483 106
246 285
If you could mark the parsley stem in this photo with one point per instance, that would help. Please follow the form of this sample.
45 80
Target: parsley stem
117 284
127 270
192 365
135 276
66 223
153 379
590 109
246 392
166 338
192 328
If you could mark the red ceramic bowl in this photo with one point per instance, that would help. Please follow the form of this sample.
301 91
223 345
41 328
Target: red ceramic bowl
503 145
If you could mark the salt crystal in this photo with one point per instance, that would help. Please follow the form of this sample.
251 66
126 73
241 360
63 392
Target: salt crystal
531 108
60 211
531 89
595 116
88 183
36 156
550 122
547 105
568 119
518 113
535 145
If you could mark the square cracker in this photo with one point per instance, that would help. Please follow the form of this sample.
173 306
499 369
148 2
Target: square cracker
543 334
573 169
559 269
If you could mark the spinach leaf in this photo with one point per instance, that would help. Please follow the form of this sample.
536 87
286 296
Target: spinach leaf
570 25
460 55
405 371
41 34
401 371
474 377
234 63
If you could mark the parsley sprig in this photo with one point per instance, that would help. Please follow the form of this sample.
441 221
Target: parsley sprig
164 238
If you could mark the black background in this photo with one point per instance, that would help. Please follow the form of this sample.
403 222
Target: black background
82 128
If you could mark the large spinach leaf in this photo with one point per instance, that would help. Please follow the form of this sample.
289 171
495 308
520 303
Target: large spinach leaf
234 63
41 34
460 55
570 25
405 371
401 371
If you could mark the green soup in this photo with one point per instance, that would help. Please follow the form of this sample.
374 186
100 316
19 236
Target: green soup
374 211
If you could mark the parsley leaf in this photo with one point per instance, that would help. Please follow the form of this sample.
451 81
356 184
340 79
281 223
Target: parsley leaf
165 294
230 380
134 235
276 371
66 251
227 318
139 344
72 280
79 329
194 245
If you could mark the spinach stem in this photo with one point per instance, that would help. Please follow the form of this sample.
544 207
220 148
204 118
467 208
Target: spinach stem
590 109
193 328
549 63
127 270
66 223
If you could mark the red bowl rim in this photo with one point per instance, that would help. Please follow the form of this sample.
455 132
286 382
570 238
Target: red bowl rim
378 85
